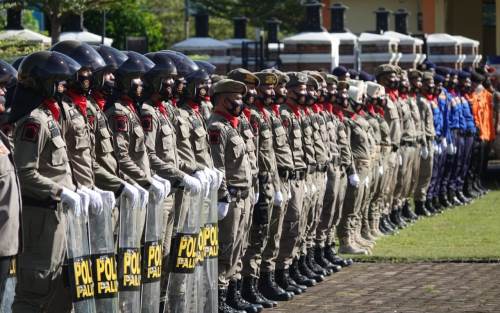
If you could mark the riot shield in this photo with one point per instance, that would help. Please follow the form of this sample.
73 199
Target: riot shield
181 289
103 256
79 262
129 254
9 289
207 269
152 253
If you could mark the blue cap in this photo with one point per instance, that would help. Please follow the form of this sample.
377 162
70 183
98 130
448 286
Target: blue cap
463 74
442 70
439 78
353 73
339 71
364 76
428 64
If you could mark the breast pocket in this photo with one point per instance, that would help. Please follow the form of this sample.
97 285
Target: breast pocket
297 138
82 139
200 140
266 142
167 137
238 147
249 140
106 144
139 139
59 155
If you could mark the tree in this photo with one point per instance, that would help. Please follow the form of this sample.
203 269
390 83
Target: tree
56 9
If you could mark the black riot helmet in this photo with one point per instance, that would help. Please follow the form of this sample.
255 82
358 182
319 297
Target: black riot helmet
43 70
135 66
8 74
182 62
197 85
17 62
86 56
207 66
163 70
113 58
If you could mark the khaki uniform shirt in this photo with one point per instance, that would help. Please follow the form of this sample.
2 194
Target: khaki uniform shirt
391 115
426 108
292 124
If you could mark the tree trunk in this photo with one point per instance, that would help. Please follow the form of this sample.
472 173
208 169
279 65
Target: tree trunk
55 28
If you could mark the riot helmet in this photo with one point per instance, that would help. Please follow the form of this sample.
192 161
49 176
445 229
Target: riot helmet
160 79
129 74
197 85
113 58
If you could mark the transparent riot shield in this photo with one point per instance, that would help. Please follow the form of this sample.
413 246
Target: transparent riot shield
79 262
181 289
207 270
152 253
129 254
103 256
9 289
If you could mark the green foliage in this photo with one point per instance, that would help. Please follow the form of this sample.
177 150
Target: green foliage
12 49
466 233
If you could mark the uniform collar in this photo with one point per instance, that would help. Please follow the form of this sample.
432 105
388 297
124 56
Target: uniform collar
233 120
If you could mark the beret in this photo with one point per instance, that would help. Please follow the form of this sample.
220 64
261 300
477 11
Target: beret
312 82
229 86
443 71
339 71
463 74
282 77
353 73
296 78
244 76
427 75
439 78
384 69
374 90
342 84
267 78
215 78
412 74
366 76
329 78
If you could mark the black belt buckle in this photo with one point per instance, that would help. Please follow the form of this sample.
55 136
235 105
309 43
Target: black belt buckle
264 178
311 169
285 174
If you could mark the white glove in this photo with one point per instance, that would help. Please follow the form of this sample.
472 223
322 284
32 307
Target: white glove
439 150
84 202
214 179
436 147
289 193
455 149
132 193
205 184
306 190
166 184
72 200
95 200
157 187
108 197
381 170
191 184
400 160
278 198
354 180
222 208
256 197
313 189
424 152
143 196
444 144
367 181
451 149
220 177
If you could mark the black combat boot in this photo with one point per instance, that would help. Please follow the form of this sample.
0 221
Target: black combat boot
306 270
452 198
283 280
321 260
443 200
252 295
332 256
297 276
420 209
430 207
269 289
396 218
408 213
386 221
437 204
235 300
314 266
223 307
462 197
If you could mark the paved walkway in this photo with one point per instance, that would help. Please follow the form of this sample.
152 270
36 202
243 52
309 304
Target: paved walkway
403 288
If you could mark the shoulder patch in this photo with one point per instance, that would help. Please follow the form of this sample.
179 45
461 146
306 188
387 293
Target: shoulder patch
121 123
214 136
30 131
147 122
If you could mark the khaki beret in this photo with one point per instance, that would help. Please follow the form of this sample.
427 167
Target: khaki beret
329 78
282 77
384 69
267 78
412 74
312 82
317 76
229 86
374 90
244 76
296 78
342 84
215 78
427 76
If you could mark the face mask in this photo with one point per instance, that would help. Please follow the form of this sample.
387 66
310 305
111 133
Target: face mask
135 91
380 101
437 90
236 107
403 88
300 98
310 99
84 83
2 100
249 98
394 84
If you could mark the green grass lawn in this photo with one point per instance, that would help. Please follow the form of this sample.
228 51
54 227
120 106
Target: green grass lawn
467 233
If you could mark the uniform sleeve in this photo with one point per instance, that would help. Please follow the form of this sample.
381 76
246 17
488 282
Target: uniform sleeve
31 137
106 180
344 145
218 139
187 162
160 167
120 125
392 119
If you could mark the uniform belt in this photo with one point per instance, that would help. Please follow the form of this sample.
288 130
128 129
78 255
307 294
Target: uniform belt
284 173
311 169
238 192
298 174
322 167
46 204
264 177
335 160
409 143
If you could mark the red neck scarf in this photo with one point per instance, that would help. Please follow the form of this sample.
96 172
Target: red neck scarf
338 112
262 111
328 106
393 94
174 102
430 97
305 110
403 96
276 109
233 120
295 109
53 107
380 111
129 103
207 98
247 113
79 100
317 107
161 107
371 108
195 106
99 99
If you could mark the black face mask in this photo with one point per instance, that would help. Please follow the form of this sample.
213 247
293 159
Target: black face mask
342 101
466 89
80 84
380 101
403 88
437 90
133 92
236 108
394 84
300 98
249 98
310 99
